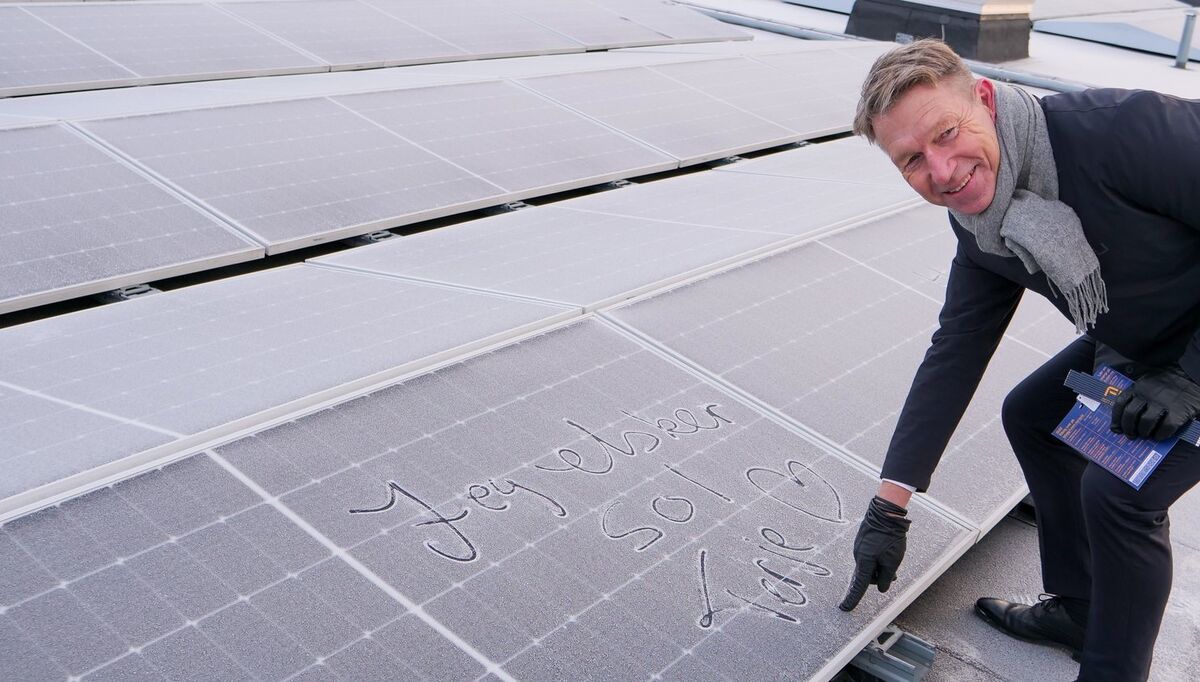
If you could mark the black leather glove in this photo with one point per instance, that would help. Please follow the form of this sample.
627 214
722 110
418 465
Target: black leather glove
1157 406
878 549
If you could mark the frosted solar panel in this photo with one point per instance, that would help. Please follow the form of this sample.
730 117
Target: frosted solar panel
1046 9
662 112
228 354
174 41
841 6
1158 32
508 136
346 33
482 28
839 71
186 569
586 23
794 103
743 201
802 332
304 171
586 259
76 221
849 160
34 57
679 22
718 536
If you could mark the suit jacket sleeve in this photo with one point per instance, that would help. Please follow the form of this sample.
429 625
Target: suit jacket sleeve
1154 161
978 307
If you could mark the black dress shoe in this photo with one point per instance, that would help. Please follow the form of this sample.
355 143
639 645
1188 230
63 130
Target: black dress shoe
1046 622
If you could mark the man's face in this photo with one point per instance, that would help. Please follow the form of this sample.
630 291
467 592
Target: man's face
943 139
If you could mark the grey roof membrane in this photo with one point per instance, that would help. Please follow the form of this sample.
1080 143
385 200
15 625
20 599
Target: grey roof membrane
346 33
214 356
742 201
818 310
549 253
1158 32
175 41
304 171
661 111
508 136
720 535
76 221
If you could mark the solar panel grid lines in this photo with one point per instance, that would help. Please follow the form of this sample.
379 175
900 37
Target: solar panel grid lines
447 602
834 387
304 172
593 26
492 31
679 120
80 221
37 57
509 136
164 42
553 255
213 360
347 34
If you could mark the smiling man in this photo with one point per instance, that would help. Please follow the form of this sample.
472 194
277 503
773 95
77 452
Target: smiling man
1091 199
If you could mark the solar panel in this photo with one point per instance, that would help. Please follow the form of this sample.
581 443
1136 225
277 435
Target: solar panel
724 535
818 310
849 160
508 136
840 6
585 23
162 42
77 221
231 353
680 120
35 57
482 28
1158 32
1046 9
346 33
549 253
678 22
186 569
798 104
742 201
304 171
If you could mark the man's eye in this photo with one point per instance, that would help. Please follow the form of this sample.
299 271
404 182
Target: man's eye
948 133
912 162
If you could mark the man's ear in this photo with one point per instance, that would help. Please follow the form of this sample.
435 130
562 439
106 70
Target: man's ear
985 90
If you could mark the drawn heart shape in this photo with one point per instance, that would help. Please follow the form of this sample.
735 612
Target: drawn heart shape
806 485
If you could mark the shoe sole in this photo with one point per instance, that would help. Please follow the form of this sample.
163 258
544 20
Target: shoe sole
1076 654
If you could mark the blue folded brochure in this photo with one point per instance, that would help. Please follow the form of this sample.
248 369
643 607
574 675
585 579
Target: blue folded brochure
1086 428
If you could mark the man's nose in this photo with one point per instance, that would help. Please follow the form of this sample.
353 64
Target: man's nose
941 167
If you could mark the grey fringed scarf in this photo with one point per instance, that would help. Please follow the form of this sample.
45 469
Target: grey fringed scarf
1026 219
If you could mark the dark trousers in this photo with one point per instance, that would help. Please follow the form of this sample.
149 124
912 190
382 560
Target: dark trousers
1099 538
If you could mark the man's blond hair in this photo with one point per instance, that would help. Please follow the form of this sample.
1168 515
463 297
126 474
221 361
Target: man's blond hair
923 62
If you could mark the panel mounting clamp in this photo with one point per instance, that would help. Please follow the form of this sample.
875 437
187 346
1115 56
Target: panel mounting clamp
896 656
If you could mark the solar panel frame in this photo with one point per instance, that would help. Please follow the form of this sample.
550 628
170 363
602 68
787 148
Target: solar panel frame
225 245
591 260
509 136
22 23
323 24
281 173
151 339
118 40
618 97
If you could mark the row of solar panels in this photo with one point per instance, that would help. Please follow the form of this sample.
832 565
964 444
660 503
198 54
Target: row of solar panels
93 204
667 486
74 46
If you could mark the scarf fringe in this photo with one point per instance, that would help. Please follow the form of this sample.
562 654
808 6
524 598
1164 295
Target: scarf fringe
1087 300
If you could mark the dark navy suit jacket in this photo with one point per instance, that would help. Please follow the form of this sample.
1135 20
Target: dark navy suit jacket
1129 164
